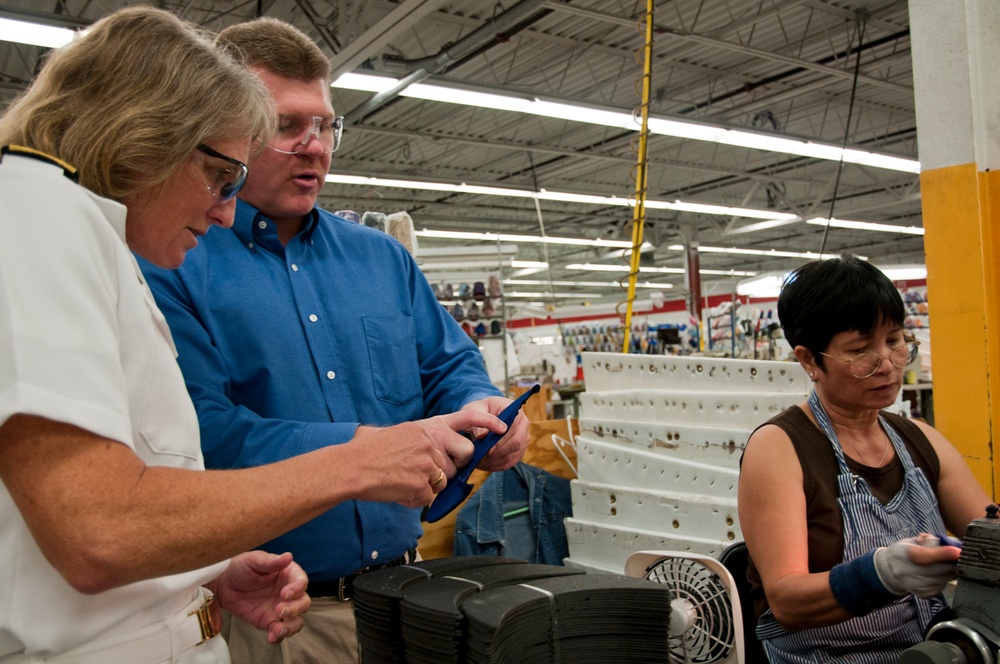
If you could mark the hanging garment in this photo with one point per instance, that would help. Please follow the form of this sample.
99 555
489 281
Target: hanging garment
518 514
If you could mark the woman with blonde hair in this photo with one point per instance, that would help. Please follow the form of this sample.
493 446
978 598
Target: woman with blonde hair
113 537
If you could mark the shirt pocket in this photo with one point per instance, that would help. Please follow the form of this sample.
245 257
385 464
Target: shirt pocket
168 432
392 354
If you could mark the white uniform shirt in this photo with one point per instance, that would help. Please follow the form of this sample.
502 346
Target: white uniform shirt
82 342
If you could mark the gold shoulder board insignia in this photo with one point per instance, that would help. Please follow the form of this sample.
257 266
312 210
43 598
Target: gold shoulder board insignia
68 170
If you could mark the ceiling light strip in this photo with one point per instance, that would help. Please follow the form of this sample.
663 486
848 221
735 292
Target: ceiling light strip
866 226
583 284
624 120
604 267
508 237
34 34
772 253
543 194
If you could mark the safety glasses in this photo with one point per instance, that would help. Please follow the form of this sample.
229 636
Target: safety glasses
224 182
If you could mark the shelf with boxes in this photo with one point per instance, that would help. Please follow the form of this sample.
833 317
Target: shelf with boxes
743 330
646 339
916 308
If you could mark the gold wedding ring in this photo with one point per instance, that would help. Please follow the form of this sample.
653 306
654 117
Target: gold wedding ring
439 479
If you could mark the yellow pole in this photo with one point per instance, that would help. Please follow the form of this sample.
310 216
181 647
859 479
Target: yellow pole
954 52
641 175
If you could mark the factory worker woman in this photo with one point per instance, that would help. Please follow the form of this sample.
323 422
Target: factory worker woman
836 496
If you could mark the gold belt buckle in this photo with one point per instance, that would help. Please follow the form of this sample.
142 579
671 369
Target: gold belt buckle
204 614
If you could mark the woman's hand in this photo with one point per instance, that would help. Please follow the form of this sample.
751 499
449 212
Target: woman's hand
910 567
265 590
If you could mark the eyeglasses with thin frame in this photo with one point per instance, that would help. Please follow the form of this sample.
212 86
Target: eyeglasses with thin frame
294 133
866 363
225 183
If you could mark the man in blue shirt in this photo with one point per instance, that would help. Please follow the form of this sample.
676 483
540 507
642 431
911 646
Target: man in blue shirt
295 327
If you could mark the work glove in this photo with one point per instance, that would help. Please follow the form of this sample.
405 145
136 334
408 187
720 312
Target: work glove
902 576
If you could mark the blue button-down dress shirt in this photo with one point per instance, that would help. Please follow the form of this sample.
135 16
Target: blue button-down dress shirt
288 349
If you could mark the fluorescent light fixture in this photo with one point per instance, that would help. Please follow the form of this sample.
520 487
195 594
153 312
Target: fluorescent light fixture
465 97
543 194
723 210
466 258
566 197
767 285
34 34
727 273
774 253
684 129
866 226
581 284
448 187
480 264
761 226
620 119
530 295
528 264
548 239
905 272
448 253
604 267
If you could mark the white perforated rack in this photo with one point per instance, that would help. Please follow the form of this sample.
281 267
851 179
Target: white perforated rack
617 371
715 445
658 451
599 547
726 410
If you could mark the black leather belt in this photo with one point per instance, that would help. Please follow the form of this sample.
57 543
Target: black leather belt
343 588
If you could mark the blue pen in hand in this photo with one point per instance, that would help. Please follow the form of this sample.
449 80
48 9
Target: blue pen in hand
458 488
940 539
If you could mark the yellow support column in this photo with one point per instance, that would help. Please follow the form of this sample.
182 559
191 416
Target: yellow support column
955 59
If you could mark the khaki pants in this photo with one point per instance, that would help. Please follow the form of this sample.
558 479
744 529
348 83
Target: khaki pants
328 637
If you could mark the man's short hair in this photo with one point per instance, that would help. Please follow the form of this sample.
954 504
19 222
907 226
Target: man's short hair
277 47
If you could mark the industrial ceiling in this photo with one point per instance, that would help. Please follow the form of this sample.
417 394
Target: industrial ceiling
835 73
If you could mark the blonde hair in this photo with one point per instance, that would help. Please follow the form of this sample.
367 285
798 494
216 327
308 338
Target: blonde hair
277 47
128 102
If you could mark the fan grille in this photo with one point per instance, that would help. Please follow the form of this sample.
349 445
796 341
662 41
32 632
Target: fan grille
711 635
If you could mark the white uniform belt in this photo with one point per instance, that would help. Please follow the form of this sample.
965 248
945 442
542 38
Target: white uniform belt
155 644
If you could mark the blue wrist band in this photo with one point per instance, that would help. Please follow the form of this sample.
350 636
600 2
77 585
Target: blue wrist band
856 586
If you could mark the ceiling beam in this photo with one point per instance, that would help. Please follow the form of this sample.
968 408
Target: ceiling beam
371 43
739 48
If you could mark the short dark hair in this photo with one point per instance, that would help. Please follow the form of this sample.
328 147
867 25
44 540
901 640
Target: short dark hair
824 298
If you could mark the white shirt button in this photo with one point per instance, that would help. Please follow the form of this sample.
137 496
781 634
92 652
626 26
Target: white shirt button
313 317
262 224
331 374
250 244
374 555
295 268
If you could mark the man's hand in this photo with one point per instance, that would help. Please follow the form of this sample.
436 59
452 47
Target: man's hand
410 463
512 446
265 590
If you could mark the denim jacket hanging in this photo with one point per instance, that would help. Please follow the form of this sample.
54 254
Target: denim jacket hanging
535 503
